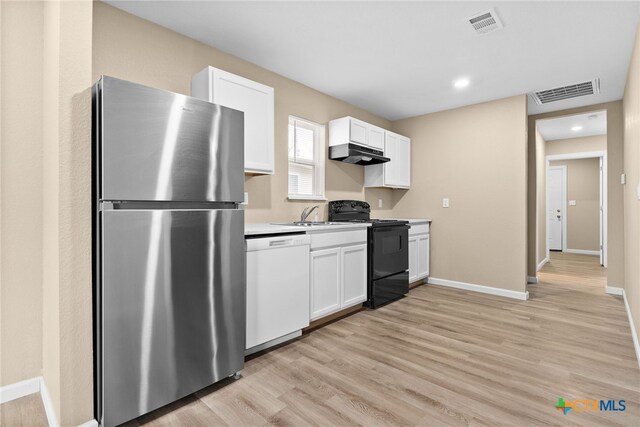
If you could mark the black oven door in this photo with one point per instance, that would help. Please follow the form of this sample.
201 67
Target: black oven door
389 250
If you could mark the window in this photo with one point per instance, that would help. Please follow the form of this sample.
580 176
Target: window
306 159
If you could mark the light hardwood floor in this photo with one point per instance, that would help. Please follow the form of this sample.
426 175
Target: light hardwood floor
27 411
442 357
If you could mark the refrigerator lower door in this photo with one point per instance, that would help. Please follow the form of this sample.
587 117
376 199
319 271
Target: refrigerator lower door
172 303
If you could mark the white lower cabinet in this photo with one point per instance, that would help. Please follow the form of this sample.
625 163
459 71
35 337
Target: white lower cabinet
413 258
354 275
423 258
325 282
338 274
418 252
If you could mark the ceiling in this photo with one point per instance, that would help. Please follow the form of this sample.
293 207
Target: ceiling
399 59
590 124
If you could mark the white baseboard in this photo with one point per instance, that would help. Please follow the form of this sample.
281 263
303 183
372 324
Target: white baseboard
612 290
542 263
582 252
92 423
479 288
20 389
48 404
532 280
634 333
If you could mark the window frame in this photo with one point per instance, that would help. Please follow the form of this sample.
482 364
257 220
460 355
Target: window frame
319 154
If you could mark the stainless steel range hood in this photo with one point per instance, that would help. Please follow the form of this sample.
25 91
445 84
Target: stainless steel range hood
356 154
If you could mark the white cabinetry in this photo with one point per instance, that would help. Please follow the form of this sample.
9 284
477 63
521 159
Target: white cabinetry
397 172
338 266
325 282
349 130
255 100
418 252
354 275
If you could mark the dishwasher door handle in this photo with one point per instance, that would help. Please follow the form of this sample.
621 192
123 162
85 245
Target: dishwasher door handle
280 242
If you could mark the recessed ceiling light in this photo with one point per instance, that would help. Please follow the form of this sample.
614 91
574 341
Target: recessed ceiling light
576 128
461 83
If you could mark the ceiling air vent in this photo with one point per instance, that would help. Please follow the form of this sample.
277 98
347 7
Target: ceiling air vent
566 92
485 22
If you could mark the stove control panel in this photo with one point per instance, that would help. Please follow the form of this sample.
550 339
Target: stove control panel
349 206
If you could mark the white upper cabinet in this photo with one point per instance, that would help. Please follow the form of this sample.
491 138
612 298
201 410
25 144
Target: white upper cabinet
349 130
395 173
255 100
376 137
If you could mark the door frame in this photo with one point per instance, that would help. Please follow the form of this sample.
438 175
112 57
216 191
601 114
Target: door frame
602 155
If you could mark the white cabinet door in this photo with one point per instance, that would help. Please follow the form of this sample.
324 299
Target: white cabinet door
358 131
391 168
255 100
376 137
414 251
325 282
403 159
354 275
423 259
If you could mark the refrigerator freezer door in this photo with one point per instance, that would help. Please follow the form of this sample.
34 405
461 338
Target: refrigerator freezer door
173 297
161 146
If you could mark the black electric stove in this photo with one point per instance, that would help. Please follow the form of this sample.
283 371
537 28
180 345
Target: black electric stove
387 251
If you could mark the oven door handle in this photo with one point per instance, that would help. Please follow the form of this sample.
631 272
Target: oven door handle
390 228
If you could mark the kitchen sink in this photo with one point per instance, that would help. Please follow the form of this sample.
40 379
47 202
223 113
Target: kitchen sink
310 223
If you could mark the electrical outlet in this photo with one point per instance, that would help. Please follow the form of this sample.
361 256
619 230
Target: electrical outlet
638 191
379 203
246 198
572 202
445 203
623 178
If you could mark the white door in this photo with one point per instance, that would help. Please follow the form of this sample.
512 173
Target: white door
413 258
358 131
376 138
325 282
257 102
354 275
555 206
423 260
403 157
391 173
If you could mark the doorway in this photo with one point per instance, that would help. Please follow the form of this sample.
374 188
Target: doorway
576 204
571 199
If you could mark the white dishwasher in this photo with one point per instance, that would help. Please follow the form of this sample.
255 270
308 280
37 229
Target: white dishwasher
277 289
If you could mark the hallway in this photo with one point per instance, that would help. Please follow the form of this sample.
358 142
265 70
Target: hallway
573 271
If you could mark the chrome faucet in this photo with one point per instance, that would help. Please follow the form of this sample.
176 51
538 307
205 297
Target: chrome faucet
306 212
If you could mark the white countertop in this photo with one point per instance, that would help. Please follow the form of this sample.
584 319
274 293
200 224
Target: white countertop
257 229
415 220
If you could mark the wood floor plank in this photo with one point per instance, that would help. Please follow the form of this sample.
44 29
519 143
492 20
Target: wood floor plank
443 357
27 411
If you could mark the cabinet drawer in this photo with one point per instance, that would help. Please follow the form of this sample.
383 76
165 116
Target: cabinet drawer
338 238
418 229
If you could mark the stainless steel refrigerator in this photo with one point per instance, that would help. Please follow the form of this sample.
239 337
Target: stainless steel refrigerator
169 290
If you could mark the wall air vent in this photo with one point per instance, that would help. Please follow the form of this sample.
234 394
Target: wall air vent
566 92
485 22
